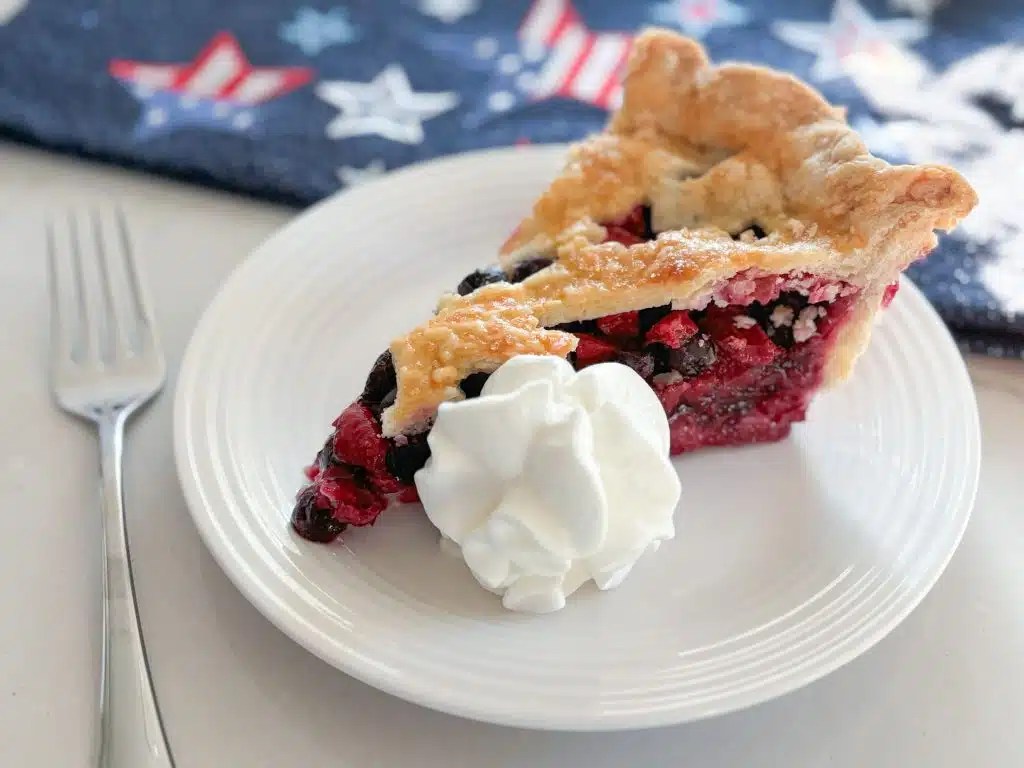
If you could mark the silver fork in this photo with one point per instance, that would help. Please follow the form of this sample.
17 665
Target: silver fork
106 363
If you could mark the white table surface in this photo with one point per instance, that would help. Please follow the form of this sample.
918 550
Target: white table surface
944 689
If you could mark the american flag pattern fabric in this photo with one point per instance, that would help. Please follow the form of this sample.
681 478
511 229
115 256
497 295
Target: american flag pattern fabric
219 90
293 100
578 63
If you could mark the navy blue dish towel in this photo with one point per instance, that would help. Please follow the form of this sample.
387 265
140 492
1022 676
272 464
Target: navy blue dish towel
294 99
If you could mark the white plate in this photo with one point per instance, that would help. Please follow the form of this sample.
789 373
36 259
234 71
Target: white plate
790 559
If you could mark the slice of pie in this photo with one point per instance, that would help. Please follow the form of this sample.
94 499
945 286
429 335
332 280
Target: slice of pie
728 237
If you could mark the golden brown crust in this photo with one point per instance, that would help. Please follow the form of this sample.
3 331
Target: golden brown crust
432 359
712 150
725 146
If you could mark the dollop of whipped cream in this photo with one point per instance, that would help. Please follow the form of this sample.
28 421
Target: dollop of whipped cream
550 478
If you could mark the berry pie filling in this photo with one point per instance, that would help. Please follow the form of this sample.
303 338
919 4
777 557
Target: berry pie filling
740 369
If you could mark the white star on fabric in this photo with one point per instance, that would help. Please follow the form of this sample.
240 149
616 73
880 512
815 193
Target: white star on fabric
880 138
922 8
501 101
448 11
386 107
351 177
698 17
936 118
485 47
9 9
850 34
996 221
314 31
997 71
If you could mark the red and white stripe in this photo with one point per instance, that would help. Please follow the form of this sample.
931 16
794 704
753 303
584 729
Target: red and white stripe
220 72
581 64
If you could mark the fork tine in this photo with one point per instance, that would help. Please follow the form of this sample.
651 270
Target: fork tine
97 303
118 293
64 309
89 282
102 316
147 335
139 294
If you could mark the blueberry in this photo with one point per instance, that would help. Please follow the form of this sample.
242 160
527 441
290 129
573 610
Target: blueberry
473 384
793 300
649 233
378 408
659 354
325 458
524 269
314 522
783 335
480 277
643 363
381 380
578 326
404 461
696 356
651 315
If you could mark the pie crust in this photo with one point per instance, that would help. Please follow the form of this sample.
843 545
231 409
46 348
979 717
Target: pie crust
713 150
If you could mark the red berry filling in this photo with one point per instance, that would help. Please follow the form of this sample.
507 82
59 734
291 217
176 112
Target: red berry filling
755 391
673 330
358 471
635 221
624 324
352 504
746 344
632 228
890 294
620 235
725 375
591 350
385 482
357 439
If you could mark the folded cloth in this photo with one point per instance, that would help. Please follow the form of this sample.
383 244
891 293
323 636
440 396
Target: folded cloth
293 101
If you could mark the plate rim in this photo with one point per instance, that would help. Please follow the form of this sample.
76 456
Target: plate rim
237 572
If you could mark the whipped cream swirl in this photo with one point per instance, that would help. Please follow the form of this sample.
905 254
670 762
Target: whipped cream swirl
550 478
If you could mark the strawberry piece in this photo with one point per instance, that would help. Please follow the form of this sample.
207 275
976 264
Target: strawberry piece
623 325
621 235
352 505
591 350
385 482
632 222
673 330
890 294
358 441
747 346
831 317
629 229
335 472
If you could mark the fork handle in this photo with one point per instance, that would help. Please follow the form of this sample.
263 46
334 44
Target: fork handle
131 734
